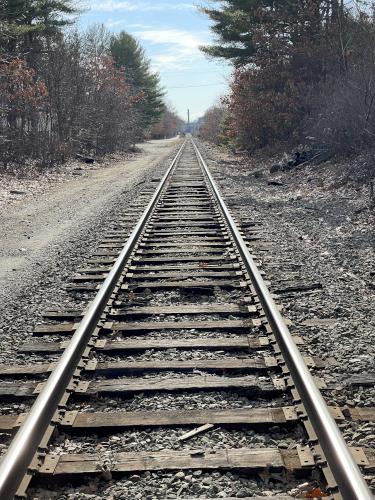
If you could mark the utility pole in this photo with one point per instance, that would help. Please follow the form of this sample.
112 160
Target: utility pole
188 114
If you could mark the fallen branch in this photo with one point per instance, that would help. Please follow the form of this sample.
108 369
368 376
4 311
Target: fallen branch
194 432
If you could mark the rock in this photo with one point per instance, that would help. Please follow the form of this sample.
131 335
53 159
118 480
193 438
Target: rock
135 478
244 492
283 445
275 168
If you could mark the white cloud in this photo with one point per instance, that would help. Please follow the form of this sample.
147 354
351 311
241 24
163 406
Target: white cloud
182 47
111 5
111 23
177 37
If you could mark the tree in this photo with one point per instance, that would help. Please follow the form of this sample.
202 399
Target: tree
77 100
213 124
27 23
63 93
128 54
282 52
21 97
169 125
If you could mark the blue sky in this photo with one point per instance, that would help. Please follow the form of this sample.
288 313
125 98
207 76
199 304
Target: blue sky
171 33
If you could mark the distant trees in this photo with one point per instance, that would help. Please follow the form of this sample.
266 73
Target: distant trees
213 124
295 65
169 125
64 93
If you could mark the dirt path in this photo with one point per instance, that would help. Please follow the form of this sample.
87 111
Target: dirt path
41 220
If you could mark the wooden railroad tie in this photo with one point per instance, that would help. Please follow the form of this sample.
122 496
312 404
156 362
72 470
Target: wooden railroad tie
300 459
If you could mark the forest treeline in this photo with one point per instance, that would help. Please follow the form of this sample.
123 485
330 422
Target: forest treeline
64 92
303 72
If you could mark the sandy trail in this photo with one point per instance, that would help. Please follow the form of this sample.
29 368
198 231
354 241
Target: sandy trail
40 220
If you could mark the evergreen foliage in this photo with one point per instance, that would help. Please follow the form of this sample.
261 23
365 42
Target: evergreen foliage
288 56
129 54
25 22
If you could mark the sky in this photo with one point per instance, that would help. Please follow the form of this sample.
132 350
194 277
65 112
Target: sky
171 32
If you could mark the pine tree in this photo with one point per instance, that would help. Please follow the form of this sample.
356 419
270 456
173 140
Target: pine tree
128 54
25 24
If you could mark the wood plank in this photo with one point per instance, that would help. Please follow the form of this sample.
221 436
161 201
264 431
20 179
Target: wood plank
108 368
238 416
229 324
202 273
240 343
202 239
102 261
63 315
365 379
83 278
193 258
22 370
173 418
364 414
138 269
8 422
194 232
185 309
12 390
219 243
163 285
182 204
207 216
172 195
229 364
231 459
121 241
194 432
60 328
249 384
187 249
182 223
117 367
141 326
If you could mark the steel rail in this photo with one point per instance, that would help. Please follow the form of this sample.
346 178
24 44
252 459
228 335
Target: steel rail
25 443
349 478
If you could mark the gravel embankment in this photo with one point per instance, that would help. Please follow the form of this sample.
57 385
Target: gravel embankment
316 232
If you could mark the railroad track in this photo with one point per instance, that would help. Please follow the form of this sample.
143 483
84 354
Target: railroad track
183 342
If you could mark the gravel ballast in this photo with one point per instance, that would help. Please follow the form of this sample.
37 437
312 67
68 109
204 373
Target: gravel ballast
315 229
